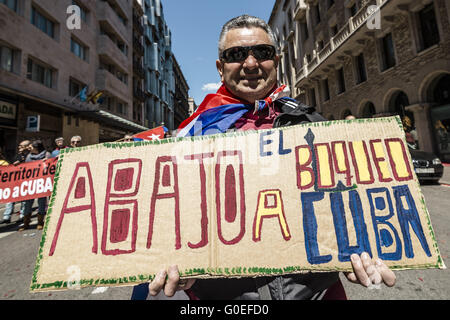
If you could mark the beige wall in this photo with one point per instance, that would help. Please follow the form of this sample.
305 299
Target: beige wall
88 130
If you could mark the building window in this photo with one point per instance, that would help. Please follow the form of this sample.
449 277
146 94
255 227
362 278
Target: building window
333 30
387 52
12 4
304 31
428 29
353 10
122 76
108 102
121 108
78 49
316 14
325 90
368 110
83 11
75 87
40 73
308 58
329 4
361 74
42 23
6 58
340 80
312 98
319 45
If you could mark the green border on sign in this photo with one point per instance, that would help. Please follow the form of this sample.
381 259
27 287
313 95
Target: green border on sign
237 271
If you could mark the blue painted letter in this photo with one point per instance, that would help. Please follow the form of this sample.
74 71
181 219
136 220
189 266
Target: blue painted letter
409 216
263 142
383 237
340 225
310 228
281 150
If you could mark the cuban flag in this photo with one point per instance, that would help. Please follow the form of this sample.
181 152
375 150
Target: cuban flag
220 110
152 134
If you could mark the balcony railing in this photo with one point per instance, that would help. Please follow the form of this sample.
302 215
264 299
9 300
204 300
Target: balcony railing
352 25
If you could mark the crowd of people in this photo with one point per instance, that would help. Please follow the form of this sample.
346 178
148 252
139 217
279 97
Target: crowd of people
28 151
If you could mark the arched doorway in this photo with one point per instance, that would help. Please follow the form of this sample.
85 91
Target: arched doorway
440 115
368 110
397 106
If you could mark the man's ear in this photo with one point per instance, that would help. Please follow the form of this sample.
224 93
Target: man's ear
219 67
276 60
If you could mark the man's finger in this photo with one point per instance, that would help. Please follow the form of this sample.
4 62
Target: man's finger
359 271
370 268
158 283
172 281
351 277
387 274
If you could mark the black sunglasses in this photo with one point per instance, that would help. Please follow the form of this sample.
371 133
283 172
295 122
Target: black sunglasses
239 54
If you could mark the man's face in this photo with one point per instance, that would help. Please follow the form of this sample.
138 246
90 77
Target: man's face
60 142
75 142
24 146
250 79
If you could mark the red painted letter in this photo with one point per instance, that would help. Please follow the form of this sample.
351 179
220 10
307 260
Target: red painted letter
164 188
204 219
82 202
230 195
123 182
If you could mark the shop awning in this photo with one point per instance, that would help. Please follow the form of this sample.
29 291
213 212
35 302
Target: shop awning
115 120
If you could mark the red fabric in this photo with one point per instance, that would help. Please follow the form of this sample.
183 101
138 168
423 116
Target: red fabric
221 97
261 120
147 135
191 294
335 292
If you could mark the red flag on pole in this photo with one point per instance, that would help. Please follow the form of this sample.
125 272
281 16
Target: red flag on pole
152 134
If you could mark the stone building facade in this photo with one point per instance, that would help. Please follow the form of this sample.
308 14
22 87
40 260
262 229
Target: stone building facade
46 61
371 58
138 64
158 66
181 98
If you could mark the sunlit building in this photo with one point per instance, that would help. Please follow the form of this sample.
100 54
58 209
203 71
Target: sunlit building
371 58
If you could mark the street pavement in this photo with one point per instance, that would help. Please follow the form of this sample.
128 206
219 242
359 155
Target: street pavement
18 252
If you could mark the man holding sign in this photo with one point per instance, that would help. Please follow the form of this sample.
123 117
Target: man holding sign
250 99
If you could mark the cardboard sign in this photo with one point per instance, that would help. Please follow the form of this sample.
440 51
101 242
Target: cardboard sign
243 204
28 180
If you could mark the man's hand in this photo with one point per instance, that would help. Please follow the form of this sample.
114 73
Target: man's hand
171 285
368 272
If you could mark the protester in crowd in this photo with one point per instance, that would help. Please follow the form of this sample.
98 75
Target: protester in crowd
247 66
59 145
75 141
128 138
37 152
350 117
23 150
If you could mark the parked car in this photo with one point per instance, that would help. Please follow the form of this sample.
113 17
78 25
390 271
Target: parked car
428 166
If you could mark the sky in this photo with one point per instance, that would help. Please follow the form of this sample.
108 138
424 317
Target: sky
195 26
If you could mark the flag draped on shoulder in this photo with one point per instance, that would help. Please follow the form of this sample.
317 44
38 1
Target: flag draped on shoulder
219 111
